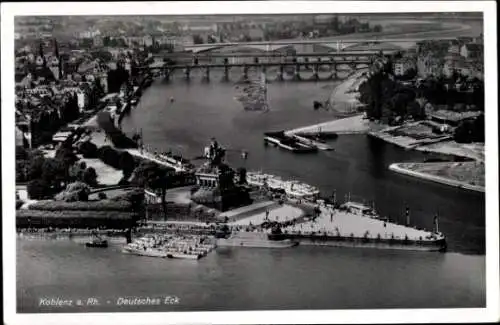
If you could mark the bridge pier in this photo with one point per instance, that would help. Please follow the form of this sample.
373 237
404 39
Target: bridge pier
315 75
167 75
281 73
245 72
206 76
225 78
334 75
296 73
187 73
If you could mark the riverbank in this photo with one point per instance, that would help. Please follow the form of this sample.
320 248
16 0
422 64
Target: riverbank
345 97
421 141
467 175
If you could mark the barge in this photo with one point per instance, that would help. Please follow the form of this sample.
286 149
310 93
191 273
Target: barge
280 139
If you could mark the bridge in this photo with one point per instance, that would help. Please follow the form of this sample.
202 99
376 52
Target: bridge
344 55
332 66
316 41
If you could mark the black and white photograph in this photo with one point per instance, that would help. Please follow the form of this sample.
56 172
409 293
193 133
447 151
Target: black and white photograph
325 162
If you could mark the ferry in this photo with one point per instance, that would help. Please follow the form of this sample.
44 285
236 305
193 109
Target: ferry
292 188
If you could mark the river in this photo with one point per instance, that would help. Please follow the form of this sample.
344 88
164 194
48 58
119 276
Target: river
298 278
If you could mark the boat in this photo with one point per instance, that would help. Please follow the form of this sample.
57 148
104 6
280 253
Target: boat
142 250
280 139
291 188
176 161
184 256
255 240
99 243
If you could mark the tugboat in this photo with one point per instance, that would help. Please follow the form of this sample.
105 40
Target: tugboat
97 242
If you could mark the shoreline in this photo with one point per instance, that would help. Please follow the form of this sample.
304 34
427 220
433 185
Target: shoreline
401 168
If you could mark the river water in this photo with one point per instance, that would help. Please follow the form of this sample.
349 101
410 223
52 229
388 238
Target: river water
298 278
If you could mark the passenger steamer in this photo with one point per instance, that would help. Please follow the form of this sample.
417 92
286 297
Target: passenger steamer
292 188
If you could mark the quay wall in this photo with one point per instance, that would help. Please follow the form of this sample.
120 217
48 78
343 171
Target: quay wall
381 243
398 168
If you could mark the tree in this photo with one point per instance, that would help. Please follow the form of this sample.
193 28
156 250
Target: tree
55 174
88 149
377 28
66 155
38 189
415 110
77 191
90 176
197 39
35 167
152 176
126 163
109 156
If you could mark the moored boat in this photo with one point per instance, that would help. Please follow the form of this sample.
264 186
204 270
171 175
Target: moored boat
292 188
98 243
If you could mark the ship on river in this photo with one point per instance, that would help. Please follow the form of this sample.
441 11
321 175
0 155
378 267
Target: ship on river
282 140
292 188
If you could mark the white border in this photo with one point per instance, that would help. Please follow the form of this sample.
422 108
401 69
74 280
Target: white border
489 314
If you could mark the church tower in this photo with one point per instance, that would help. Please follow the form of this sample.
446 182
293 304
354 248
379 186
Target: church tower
55 63
40 59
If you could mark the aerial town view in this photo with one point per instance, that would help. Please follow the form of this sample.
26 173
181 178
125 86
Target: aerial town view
250 162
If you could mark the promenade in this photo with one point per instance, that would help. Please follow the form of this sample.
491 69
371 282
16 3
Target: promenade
337 222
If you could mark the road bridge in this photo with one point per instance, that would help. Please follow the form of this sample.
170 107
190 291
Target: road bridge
332 66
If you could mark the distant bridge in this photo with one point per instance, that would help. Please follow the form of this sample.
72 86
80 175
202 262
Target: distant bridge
317 41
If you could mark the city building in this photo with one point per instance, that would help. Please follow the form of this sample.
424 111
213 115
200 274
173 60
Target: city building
89 33
429 65
472 51
402 66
